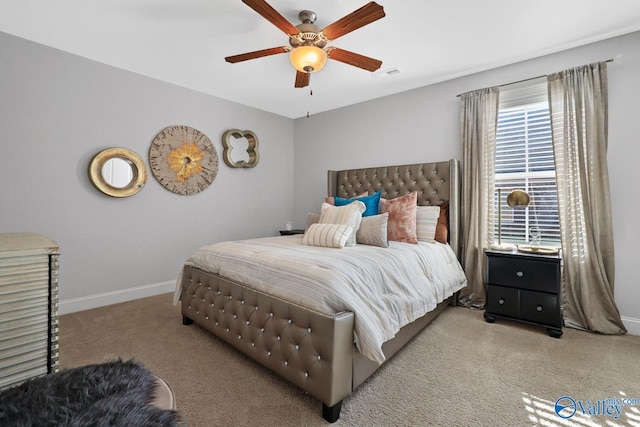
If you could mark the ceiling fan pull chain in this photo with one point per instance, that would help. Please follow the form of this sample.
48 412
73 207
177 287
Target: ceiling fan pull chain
309 104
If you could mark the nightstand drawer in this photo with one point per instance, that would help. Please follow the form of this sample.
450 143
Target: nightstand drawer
524 273
540 308
502 301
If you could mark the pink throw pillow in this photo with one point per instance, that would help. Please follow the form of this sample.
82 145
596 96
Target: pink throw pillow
402 217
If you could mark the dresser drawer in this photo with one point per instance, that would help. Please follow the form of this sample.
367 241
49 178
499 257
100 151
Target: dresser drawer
540 308
524 273
502 301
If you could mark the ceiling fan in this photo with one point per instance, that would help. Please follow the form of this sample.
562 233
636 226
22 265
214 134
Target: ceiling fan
308 42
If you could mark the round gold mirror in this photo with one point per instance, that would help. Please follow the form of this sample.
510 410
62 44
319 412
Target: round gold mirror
118 172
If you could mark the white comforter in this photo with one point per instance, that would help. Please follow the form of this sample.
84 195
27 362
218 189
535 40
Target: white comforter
386 288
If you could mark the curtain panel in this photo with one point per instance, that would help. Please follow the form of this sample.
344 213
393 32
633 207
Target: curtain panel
579 116
479 118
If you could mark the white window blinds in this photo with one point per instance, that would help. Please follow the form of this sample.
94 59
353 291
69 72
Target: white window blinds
524 160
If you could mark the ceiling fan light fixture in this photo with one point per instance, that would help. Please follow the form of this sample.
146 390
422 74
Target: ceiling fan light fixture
308 59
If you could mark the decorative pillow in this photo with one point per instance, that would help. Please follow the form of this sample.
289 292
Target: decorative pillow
312 218
331 199
371 203
327 235
350 214
426 222
442 229
402 217
373 230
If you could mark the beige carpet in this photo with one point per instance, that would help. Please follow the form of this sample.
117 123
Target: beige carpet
460 371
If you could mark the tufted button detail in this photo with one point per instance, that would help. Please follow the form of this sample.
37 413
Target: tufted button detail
206 318
239 337
289 321
278 337
319 358
297 347
268 353
270 314
217 324
227 329
306 374
261 329
309 330
286 363
253 344
247 322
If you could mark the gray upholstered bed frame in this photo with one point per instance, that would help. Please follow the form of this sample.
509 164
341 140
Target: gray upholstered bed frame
315 350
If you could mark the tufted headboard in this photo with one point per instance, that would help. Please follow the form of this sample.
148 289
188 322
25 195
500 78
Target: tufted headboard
435 183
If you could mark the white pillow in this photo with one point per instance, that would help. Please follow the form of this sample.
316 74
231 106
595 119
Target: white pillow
350 214
426 222
327 235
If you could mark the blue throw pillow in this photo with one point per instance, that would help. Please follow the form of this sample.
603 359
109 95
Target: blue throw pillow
371 203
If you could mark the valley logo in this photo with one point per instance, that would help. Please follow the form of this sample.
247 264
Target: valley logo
566 406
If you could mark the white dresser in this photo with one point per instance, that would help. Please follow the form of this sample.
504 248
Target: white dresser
28 307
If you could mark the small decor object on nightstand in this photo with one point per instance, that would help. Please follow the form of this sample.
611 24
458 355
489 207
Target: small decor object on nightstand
183 160
525 288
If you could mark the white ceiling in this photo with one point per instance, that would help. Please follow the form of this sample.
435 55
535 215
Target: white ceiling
185 41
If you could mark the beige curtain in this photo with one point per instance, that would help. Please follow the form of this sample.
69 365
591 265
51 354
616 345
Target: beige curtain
479 118
578 105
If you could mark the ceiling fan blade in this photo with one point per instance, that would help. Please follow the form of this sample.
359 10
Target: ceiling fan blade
302 79
257 54
354 59
367 14
272 15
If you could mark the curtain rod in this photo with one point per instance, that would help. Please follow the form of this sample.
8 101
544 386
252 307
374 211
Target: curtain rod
533 78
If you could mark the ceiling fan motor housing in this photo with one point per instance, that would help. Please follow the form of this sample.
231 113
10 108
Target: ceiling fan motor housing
310 34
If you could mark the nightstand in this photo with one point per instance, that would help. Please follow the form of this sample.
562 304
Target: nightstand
525 288
291 232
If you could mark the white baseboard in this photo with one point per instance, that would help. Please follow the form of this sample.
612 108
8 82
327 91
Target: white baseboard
632 325
93 301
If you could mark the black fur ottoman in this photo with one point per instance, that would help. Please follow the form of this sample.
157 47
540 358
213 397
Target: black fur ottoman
110 394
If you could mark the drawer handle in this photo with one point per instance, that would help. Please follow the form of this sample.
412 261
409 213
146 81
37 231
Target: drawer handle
501 301
519 273
539 308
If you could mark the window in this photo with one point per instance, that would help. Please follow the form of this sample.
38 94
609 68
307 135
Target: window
524 160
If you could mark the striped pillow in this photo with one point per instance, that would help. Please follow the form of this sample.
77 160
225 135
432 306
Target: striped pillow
350 214
426 222
327 235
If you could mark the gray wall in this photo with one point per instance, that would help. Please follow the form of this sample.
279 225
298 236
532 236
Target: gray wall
423 125
58 110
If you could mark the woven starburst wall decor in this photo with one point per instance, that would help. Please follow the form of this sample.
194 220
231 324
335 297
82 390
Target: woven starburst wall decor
183 159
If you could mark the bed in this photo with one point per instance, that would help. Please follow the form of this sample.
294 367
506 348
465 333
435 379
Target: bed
321 347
